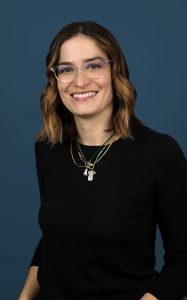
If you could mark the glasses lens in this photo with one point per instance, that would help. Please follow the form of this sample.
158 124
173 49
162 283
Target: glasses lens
65 73
94 69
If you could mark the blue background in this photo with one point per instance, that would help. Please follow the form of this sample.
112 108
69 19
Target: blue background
153 37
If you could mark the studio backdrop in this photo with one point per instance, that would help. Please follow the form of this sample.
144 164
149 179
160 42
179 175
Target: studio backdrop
153 37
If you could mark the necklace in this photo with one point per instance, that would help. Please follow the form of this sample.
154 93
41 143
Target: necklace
89 165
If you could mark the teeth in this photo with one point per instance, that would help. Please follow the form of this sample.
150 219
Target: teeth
82 95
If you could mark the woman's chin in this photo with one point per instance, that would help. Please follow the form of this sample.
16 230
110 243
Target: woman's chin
85 114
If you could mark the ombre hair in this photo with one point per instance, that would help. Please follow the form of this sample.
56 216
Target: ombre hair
58 121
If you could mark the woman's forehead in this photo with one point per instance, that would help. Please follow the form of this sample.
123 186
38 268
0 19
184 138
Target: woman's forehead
80 48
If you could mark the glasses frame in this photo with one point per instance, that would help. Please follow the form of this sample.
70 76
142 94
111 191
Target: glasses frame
81 69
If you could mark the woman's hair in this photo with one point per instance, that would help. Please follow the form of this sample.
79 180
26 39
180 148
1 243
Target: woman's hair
58 121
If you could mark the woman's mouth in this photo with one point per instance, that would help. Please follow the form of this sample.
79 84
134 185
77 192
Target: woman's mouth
84 95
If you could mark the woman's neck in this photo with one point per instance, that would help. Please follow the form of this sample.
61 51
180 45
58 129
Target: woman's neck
93 132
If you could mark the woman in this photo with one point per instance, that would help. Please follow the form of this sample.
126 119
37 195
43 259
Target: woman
105 180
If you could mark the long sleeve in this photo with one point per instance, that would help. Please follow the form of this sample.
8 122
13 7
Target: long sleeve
38 158
39 166
172 221
37 254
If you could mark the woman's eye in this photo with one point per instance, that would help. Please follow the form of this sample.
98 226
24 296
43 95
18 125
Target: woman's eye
65 70
94 66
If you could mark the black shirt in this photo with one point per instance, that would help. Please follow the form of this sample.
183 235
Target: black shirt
98 237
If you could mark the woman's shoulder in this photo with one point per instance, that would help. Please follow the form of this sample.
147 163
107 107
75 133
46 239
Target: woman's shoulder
156 141
143 133
46 146
42 144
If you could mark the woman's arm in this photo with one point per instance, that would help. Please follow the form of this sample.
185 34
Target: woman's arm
31 286
171 211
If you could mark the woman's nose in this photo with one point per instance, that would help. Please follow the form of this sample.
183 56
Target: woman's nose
80 78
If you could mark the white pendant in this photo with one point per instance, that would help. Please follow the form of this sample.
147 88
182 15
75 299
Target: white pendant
85 172
91 173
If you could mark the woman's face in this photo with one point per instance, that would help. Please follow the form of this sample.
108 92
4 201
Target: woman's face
74 95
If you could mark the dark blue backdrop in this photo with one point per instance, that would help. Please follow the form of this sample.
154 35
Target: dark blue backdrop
153 36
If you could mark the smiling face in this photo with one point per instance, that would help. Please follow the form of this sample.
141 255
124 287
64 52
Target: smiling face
85 97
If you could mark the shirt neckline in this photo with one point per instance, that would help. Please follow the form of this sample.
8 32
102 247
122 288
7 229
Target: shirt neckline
97 146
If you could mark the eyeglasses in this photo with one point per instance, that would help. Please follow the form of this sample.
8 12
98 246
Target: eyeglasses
66 73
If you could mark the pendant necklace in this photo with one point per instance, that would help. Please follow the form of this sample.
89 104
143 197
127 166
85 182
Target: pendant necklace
89 165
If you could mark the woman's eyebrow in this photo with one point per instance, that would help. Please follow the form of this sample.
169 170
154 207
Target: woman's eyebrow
84 60
93 58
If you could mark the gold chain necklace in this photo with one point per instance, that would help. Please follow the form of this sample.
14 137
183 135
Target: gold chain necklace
88 164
